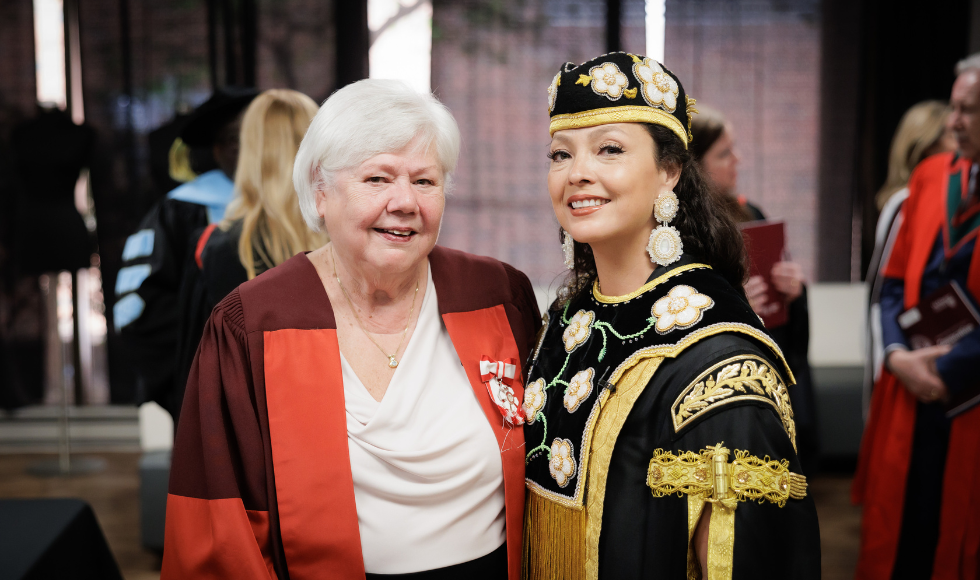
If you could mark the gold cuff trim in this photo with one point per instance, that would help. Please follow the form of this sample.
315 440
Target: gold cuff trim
740 378
708 474
646 287
621 114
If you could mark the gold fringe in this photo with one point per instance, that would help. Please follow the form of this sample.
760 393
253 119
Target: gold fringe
554 540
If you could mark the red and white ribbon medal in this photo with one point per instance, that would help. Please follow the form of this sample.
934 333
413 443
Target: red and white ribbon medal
499 377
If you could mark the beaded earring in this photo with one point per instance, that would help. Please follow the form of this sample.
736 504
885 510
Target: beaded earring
568 249
665 245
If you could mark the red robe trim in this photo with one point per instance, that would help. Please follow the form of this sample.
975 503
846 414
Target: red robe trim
308 427
886 448
475 334
213 552
261 483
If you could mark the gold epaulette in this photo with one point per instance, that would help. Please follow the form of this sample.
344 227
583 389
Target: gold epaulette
709 475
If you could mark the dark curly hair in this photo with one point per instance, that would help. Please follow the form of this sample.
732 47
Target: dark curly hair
709 233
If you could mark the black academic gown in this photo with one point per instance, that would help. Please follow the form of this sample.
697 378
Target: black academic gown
629 424
150 311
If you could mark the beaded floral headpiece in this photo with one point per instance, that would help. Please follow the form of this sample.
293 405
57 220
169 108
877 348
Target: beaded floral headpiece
619 88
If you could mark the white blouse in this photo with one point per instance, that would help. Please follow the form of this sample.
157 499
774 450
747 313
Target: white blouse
428 480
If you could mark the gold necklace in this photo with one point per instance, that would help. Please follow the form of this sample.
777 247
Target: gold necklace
392 361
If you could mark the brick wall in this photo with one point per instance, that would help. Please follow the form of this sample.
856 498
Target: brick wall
491 65
759 64
492 62
296 46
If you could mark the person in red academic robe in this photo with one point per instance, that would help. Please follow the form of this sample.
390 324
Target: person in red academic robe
356 411
919 467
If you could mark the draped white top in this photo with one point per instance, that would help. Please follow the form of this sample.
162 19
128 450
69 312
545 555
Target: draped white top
428 480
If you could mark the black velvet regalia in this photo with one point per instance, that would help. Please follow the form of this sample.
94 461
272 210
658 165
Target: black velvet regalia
643 408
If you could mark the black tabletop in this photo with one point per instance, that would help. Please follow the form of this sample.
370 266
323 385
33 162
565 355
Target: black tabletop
53 538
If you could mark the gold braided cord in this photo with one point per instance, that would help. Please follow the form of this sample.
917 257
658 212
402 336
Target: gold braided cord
755 479
739 378
610 423
684 474
747 478
598 295
620 114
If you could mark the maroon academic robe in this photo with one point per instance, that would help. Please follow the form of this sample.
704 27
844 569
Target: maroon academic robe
260 484
886 447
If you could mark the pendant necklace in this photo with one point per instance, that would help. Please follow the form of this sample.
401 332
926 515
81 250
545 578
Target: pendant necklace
392 361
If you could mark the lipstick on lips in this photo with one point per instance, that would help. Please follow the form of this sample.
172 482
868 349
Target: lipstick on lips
583 204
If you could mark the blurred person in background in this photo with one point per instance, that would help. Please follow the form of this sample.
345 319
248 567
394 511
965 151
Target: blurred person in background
713 147
653 372
149 313
263 225
355 411
922 132
917 471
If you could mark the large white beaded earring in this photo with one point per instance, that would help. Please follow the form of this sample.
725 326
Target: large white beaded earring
568 249
665 246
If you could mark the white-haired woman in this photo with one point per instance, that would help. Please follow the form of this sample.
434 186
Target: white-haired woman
356 409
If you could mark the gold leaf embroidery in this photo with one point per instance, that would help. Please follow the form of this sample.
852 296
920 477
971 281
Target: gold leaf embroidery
630 93
739 378
583 80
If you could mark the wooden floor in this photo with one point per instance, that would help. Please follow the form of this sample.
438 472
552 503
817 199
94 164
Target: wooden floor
113 495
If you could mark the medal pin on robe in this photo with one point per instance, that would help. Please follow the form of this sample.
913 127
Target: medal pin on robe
499 378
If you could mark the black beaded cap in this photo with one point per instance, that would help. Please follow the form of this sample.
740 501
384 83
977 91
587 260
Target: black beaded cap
619 87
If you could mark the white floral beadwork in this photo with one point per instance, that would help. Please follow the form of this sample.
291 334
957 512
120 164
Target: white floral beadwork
553 92
682 307
579 328
659 88
534 399
579 389
562 464
608 80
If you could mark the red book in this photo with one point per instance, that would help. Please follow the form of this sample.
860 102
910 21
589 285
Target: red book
765 242
943 317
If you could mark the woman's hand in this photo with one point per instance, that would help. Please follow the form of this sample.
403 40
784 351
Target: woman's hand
787 278
755 290
917 371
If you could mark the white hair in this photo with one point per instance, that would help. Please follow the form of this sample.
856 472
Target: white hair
364 119
969 63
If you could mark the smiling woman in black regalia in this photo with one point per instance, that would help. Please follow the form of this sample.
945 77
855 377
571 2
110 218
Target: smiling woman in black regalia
660 436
